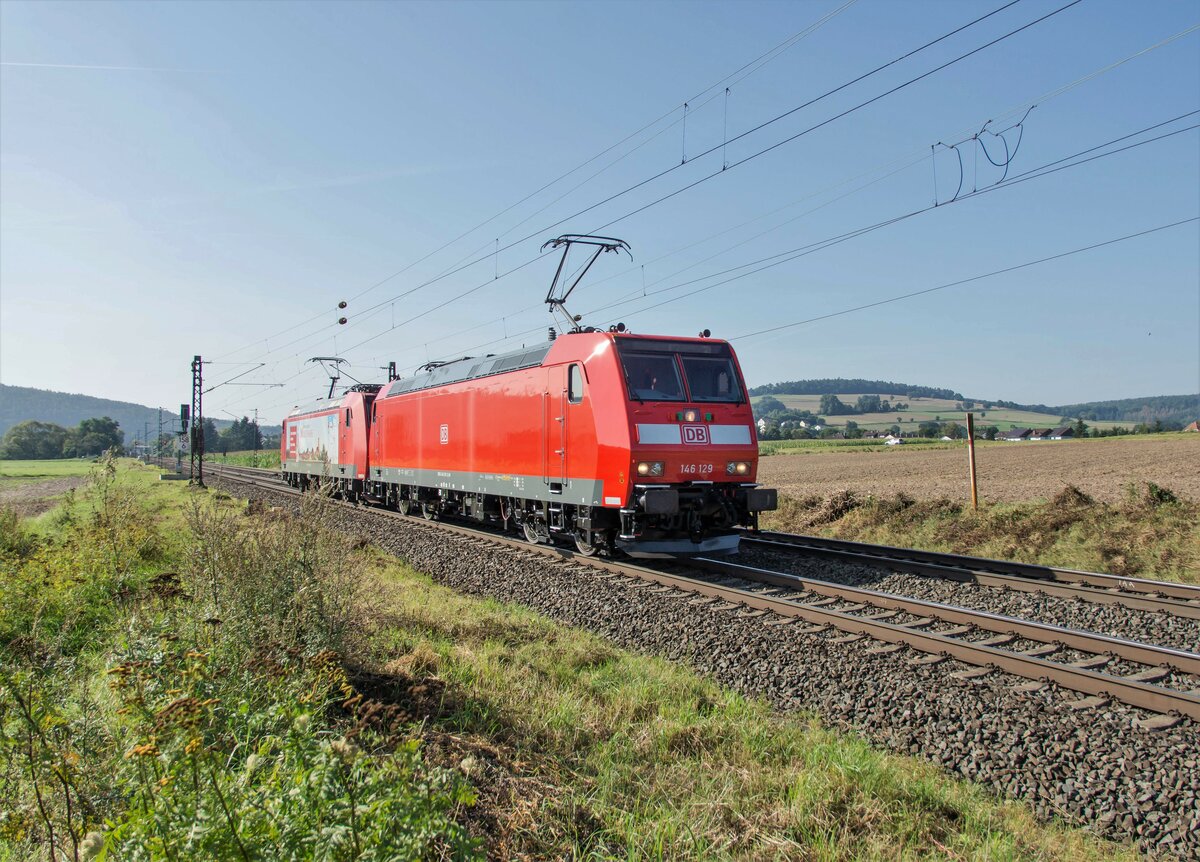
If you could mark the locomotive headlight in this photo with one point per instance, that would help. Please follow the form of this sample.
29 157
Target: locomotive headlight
690 416
737 468
650 468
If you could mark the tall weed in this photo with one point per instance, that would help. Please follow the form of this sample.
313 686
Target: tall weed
286 581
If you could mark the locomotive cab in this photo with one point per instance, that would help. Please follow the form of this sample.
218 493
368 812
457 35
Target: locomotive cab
693 448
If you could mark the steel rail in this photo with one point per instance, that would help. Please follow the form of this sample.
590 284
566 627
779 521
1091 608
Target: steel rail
1085 641
1029 570
1182 600
1132 692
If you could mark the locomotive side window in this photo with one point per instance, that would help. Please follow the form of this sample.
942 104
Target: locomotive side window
652 377
347 417
574 384
711 379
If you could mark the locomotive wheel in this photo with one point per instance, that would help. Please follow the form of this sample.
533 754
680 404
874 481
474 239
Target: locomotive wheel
531 533
429 511
585 548
405 507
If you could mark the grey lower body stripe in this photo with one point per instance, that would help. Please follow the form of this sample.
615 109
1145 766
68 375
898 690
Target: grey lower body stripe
321 468
577 492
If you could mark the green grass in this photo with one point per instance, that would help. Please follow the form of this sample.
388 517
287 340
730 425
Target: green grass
263 458
803 447
178 652
169 688
647 760
39 470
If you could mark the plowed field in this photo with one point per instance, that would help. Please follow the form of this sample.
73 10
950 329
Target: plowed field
1008 472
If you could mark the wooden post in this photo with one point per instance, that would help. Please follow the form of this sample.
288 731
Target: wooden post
971 456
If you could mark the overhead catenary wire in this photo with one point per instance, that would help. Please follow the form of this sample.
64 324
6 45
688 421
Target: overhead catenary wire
1025 105
732 78
1022 107
780 258
820 245
968 280
733 165
361 315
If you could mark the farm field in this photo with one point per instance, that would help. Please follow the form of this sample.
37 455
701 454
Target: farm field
1008 472
930 409
30 487
1124 505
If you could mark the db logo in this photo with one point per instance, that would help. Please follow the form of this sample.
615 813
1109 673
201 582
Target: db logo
445 434
695 434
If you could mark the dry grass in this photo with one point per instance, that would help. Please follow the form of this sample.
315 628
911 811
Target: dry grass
1008 472
1151 532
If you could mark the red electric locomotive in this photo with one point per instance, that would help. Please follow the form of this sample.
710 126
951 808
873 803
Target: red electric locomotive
638 442
612 440
324 442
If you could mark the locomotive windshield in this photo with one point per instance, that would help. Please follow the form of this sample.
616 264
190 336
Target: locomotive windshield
652 371
652 377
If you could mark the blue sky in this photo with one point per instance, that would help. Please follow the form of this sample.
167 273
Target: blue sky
181 178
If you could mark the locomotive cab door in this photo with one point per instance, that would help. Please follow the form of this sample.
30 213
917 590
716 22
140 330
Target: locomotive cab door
554 430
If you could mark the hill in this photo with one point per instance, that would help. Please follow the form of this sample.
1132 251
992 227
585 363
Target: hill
928 403
853 386
18 403
1183 409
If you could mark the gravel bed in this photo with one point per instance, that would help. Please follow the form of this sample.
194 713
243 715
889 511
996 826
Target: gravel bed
1154 627
1095 768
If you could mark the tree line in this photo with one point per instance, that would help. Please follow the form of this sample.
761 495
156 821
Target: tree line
45 441
854 385
34 440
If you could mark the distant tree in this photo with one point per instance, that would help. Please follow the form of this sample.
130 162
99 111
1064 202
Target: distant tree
242 435
953 430
212 437
1080 428
768 405
831 405
95 437
895 430
929 429
869 404
33 440
853 432
990 432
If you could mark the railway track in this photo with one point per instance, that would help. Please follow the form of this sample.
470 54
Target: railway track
1182 600
1155 678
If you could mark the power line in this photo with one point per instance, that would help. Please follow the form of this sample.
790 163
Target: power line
719 172
757 63
787 256
759 127
820 245
1023 107
969 280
